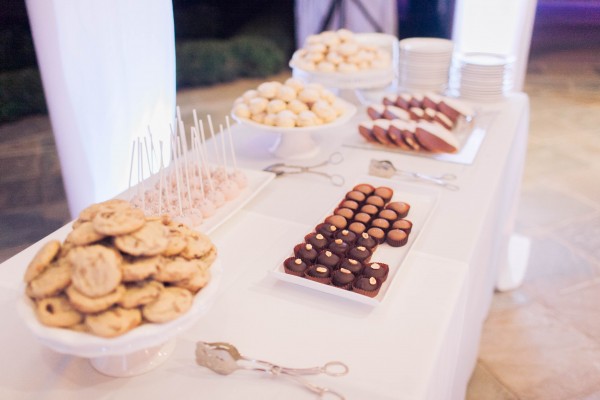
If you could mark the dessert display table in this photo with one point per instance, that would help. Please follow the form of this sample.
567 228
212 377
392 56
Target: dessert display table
421 342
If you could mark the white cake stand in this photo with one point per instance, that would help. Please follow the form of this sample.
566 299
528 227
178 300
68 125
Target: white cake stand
136 352
359 80
298 143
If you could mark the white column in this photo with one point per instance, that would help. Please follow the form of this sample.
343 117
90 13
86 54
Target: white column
108 70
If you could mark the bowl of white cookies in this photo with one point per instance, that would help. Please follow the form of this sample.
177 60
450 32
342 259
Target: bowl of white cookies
293 110
119 288
346 60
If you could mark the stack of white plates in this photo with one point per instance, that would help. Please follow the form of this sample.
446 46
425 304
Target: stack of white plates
424 64
481 76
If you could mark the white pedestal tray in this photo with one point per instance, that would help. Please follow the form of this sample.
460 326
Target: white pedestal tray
298 143
136 352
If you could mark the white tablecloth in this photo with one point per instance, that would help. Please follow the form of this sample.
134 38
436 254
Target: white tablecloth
420 343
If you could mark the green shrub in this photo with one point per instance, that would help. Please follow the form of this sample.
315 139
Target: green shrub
21 94
257 56
205 62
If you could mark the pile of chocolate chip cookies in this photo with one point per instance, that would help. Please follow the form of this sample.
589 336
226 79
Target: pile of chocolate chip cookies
118 269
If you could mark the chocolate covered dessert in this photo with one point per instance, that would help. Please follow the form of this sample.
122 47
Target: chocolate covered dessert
342 278
317 240
318 273
294 266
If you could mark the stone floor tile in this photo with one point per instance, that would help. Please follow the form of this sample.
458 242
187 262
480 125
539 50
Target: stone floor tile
580 181
583 235
542 206
538 356
483 385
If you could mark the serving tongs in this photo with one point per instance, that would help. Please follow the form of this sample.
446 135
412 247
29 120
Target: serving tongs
280 169
224 359
385 169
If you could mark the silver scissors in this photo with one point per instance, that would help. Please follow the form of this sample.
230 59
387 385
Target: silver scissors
280 169
224 358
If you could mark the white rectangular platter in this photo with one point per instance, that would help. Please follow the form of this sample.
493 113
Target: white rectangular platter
422 203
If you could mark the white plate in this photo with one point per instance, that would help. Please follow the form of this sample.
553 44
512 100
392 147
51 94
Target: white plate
423 45
422 203
257 180
143 337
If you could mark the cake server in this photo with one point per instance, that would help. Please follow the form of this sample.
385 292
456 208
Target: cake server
224 358
280 169
385 169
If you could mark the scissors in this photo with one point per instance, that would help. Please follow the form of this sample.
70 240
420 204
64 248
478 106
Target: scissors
280 169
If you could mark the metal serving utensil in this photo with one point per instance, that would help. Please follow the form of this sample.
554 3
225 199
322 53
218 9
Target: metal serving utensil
385 169
225 359
280 169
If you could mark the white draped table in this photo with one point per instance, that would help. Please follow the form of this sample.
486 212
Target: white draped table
421 342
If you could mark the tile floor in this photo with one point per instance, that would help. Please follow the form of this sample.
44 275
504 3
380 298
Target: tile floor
541 341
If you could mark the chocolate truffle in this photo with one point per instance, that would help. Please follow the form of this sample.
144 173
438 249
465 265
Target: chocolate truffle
306 252
377 233
396 238
356 196
388 214
357 227
381 223
294 266
346 235
362 217
344 212
326 229
376 270
351 204
318 273
317 240
366 286
328 259
339 247
360 253
369 209
384 192
400 207
364 188
337 220
367 241
352 265
403 224
376 201
342 278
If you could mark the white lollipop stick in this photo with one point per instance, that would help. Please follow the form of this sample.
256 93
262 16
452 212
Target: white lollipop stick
204 159
196 152
133 146
161 173
222 135
187 177
214 140
141 175
175 162
231 143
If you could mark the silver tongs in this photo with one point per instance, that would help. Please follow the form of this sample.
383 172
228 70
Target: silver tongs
280 169
385 169
224 359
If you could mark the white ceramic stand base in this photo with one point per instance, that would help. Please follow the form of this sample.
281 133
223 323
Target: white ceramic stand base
295 146
135 363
